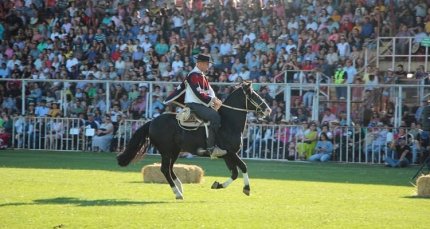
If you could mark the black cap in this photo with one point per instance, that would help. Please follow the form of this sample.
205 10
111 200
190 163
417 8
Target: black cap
203 58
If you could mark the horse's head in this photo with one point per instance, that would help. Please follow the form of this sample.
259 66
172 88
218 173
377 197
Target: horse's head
254 101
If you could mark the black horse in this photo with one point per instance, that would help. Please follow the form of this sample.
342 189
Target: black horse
170 139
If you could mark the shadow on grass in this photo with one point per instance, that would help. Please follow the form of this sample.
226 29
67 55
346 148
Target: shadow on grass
418 197
298 171
85 203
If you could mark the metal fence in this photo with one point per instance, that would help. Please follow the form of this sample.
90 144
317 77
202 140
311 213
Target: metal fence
318 95
47 133
408 51
353 144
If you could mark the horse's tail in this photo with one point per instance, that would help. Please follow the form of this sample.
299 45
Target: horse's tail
137 144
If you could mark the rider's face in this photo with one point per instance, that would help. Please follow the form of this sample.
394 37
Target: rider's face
203 66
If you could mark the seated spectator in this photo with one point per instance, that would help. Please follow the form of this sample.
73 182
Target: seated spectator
54 110
4 138
121 136
423 145
328 116
41 109
323 150
55 132
138 106
404 152
76 107
326 130
307 143
376 142
35 92
9 104
102 140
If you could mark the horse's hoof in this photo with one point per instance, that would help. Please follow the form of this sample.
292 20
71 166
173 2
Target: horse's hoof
247 190
179 197
216 185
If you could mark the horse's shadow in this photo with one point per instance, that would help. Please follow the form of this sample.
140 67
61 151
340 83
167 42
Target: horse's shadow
85 203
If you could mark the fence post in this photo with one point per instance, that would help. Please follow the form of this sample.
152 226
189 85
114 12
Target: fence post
24 84
107 96
348 105
287 99
149 101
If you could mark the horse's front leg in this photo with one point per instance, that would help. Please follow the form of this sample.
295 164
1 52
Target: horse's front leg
232 166
242 166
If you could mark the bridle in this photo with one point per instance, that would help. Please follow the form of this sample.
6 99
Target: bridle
247 99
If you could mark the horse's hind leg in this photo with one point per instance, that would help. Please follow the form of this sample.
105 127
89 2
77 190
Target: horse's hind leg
232 166
176 180
167 170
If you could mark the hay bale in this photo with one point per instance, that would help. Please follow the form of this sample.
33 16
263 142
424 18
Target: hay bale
186 173
423 186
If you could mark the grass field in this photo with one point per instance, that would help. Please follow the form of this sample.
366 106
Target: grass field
88 190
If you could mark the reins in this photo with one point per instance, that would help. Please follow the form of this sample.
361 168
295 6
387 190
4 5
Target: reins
258 106
235 108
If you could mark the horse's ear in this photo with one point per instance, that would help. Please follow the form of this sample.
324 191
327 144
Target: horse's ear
247 85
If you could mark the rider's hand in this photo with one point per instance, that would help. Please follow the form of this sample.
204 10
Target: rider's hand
217 104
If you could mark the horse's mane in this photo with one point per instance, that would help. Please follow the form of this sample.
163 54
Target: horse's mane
236 90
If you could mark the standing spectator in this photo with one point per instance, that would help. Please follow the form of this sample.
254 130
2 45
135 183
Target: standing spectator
332 57
4 71
225 48
420 109
161 48
177 21
367 28
120 66
114 113
308 96
351 72
340 77
146 44
402 41
177 65
343 48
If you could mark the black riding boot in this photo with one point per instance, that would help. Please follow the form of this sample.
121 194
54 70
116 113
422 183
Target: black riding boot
210 140
213 150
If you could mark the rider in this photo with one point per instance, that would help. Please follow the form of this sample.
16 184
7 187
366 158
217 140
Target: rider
200 98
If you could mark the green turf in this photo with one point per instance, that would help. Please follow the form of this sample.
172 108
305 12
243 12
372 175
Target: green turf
87 190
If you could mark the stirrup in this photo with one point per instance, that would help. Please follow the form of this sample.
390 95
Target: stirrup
216 152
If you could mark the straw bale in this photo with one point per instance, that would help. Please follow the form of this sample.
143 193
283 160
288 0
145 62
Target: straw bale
423 186
186 173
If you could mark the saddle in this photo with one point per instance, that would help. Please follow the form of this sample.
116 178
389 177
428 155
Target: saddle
187 118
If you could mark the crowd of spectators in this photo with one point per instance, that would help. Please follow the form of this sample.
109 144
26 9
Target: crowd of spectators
127 40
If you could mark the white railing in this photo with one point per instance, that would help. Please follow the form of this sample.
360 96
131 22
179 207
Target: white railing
353 144
405 50
398 98
46 133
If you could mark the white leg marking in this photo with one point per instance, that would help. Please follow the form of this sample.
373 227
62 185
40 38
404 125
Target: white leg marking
227 183
177 193
178 184
245 178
